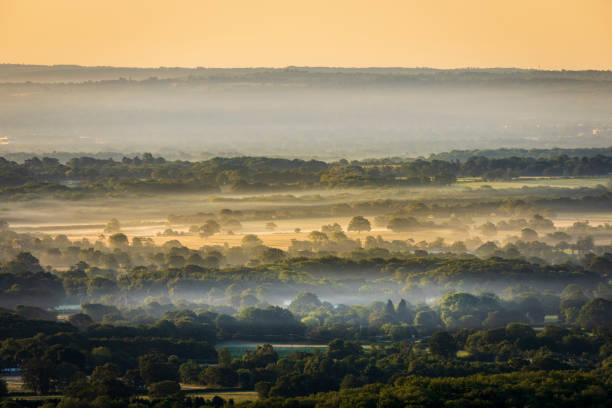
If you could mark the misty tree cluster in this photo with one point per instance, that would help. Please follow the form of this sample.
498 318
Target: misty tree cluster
498 324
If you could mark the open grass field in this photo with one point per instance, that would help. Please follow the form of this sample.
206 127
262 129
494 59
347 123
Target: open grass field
520 182
283 240
237 349
237 396
14 383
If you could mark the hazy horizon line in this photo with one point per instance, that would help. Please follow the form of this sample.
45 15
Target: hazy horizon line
310 66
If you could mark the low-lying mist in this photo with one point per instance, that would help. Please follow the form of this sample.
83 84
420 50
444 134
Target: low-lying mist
303 113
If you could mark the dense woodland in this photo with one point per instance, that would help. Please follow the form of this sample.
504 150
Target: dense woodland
516 313
489 325
108 355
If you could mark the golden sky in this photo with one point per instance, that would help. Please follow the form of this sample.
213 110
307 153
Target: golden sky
551 34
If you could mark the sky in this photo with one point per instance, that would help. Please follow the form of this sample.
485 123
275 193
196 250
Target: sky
546 34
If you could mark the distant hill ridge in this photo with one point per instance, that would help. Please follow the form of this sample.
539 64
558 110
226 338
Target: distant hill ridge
76 73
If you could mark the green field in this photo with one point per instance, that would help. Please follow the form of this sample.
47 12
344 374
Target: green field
237 349
237 396
558 182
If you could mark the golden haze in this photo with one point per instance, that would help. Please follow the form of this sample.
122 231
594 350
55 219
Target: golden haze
551 34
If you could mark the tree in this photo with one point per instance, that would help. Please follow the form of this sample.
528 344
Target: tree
531 307
273 255
155 368
163 389
97 311
520 332
232 223
132 379
263 356
226 325
427 319
209 228
189 372
585 244
318 237
442 344
37 373
217 375
106 380
596 313
32 312
78 392
304 303
273 320
262 388
80 320
3 389
389 309
112 226
359 224
458 247
270 226
487 249
224 357
454 306
217 401
99 286
403 313
601 265
349 381
529 235
338 349
118 240
251 240
538 222
331 228
24 262
401 224
488 229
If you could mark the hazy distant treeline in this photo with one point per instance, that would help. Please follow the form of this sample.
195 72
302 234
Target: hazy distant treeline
460 155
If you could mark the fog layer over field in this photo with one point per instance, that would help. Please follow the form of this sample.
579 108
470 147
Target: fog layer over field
237 250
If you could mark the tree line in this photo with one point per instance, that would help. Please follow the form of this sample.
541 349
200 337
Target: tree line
244 174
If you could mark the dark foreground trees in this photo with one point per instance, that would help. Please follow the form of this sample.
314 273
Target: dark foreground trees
537 389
